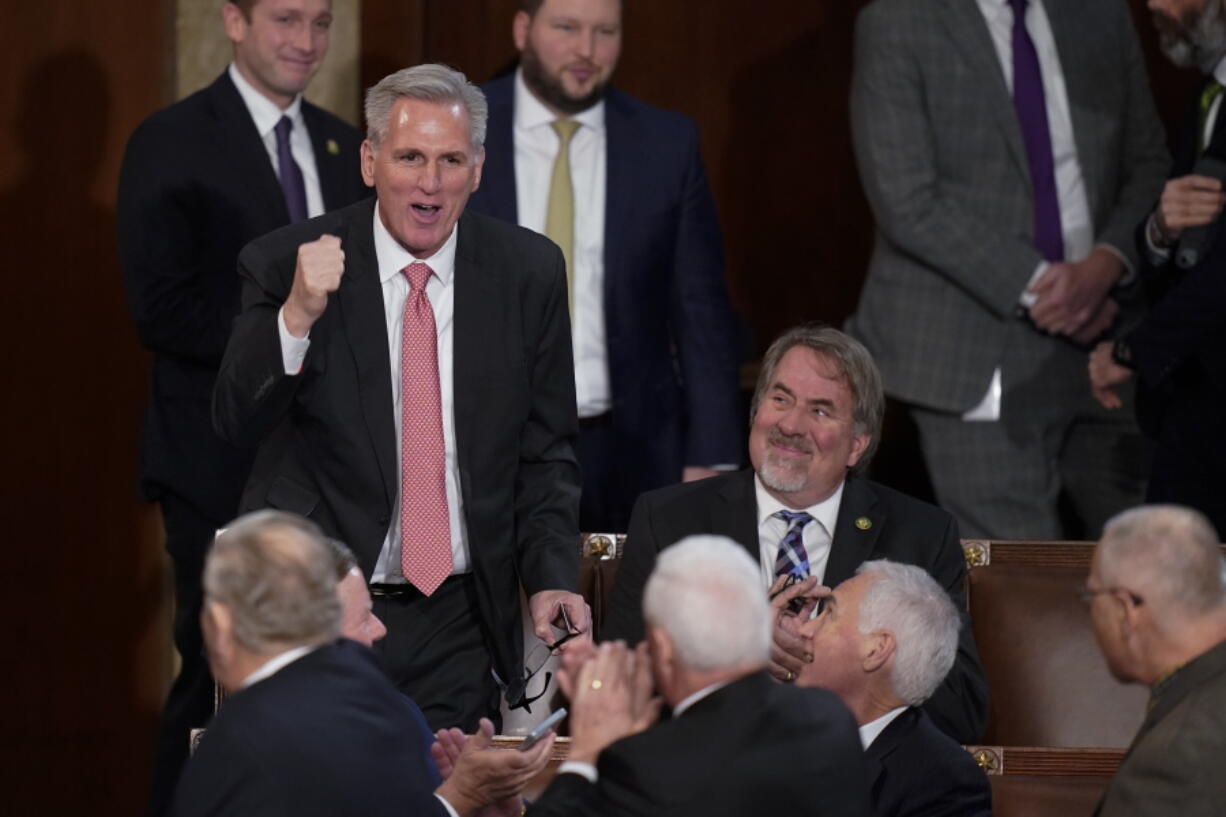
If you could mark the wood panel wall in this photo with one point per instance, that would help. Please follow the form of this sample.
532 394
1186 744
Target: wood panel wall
83 606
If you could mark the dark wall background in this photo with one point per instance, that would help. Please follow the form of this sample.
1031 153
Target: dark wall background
85 611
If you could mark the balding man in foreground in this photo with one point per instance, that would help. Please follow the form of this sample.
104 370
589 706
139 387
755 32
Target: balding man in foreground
312 725
1158 603
884 641
737 743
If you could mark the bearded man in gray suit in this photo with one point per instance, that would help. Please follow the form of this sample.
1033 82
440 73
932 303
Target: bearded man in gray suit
1007 165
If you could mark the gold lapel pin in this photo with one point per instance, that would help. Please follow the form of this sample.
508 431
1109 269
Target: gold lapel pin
864 523
333 148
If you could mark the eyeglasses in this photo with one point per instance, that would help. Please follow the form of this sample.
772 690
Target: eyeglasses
1087 594
535 662
797 604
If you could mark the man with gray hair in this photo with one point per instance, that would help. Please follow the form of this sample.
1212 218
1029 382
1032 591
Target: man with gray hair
803 511
404 368
884 641
737 743
312 726
1157 599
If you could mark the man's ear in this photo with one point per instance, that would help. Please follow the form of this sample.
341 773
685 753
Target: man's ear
234 22
662 654
519 29
876 650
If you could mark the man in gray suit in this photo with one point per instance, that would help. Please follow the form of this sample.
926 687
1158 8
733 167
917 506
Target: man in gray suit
1007 165
1157 597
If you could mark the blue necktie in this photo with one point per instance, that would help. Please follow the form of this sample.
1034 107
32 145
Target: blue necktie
792 557
1031 106
292 184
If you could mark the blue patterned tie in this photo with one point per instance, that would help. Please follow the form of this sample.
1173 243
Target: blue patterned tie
792 557
1031 105
292 184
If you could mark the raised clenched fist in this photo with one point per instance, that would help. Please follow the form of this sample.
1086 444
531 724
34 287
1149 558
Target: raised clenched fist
321 263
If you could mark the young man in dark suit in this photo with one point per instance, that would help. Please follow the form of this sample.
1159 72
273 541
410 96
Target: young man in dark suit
884 641
621 188
404 369
803 509
200 179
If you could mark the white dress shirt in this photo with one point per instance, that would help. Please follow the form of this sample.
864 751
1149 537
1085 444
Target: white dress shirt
266 115
872 730
440 290
1076 222
817 535
275 664
536 147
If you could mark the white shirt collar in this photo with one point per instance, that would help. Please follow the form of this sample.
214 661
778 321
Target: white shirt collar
872 730
693 698
275 664
530 112
826 511
392 257
264 112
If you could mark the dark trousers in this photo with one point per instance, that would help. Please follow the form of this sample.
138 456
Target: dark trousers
435 652
189 704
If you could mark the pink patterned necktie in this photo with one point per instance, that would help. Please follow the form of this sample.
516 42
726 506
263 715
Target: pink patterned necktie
425 531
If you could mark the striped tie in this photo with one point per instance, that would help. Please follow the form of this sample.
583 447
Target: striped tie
792 557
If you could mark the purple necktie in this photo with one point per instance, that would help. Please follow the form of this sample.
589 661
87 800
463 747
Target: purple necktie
1031 106
792 557
292 184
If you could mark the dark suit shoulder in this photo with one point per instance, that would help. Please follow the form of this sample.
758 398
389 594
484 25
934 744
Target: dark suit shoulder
923 770
333 123
915 510
687 495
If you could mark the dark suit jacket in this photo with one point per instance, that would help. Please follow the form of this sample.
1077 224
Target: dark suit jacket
1179 350
195 187
1174 766
900 528
670 330
326 735
919 771
752 747
327 437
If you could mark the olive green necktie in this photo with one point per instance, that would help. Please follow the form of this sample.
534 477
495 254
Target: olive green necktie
560 215
1212 91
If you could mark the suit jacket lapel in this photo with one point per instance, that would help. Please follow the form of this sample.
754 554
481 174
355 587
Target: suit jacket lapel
735 513
620 175
243 148
360 299
331 165
477 303
1071 32
853 540
969 33
887 742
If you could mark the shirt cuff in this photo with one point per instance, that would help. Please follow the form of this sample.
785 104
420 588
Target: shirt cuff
293 350
447 805
1028 299
584 770
1157 255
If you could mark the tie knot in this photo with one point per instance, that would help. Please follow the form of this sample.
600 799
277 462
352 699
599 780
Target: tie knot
1019 8
795 519
284 126
417 273
565 129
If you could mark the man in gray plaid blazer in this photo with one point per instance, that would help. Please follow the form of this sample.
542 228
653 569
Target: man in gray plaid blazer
983 294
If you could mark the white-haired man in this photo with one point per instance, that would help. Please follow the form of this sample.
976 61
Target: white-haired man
312 726
1157 599
737 743
883 642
